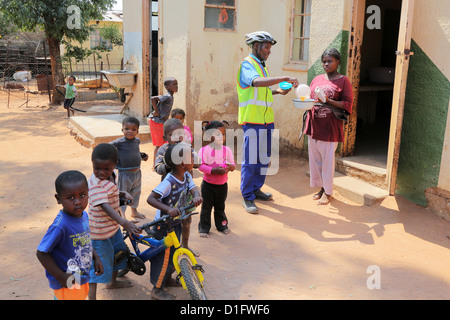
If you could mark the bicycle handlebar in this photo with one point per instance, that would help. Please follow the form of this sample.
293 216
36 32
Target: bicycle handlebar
167 217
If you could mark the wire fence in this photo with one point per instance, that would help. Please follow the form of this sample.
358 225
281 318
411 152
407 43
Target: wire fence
25 68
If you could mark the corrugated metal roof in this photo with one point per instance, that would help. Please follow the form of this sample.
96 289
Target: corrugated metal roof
115 16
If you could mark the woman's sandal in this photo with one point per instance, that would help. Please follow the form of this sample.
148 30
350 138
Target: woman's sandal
318 195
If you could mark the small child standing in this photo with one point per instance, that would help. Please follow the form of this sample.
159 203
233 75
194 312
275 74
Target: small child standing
216 161
180 115
71 93
170 195
105 218
66 250
162 105
174 133
129 164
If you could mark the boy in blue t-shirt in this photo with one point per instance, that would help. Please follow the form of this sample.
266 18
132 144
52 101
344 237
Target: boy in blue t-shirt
170 195
66 250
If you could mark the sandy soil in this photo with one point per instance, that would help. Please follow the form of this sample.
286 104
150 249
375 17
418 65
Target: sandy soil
293 249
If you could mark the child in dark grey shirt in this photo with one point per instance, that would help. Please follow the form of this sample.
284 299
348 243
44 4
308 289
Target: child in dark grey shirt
129 164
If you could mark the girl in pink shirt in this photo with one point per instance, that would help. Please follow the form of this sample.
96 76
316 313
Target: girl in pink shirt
216 161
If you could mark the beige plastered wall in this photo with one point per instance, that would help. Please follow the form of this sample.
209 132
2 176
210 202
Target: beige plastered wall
431 31
206 62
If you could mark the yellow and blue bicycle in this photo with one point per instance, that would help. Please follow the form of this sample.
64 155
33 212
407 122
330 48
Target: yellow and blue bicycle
190 273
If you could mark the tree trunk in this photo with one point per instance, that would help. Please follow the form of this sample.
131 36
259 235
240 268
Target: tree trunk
57 71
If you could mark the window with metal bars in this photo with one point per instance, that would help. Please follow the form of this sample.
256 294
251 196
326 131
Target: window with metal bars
220 15
96 40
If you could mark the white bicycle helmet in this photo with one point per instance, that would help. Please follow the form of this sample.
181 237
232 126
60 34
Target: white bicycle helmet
259 36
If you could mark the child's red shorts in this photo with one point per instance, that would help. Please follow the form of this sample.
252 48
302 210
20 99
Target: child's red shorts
157 133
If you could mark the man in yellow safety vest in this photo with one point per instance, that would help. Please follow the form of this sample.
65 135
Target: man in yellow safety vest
256 116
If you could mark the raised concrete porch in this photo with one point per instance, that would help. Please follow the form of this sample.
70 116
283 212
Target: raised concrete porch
104 125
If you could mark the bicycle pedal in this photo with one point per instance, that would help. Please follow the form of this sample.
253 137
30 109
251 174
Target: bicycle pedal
198 267
119 256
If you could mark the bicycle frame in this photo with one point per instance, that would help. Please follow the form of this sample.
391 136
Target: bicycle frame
157 246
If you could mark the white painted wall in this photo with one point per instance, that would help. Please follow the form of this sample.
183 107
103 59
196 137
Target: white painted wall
132 52
206 62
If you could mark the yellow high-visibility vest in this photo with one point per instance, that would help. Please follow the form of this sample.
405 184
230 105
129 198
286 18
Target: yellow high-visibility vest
255 103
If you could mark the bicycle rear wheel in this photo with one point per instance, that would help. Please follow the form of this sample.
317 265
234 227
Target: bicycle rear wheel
194 287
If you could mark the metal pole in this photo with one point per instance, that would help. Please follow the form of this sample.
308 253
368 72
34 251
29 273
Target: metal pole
46 73
6 64
95 70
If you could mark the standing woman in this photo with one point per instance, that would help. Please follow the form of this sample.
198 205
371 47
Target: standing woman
334 94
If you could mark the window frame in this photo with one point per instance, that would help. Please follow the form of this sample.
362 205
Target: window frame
214 6
302 38
107 43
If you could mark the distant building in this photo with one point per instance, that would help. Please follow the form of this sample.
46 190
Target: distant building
110 60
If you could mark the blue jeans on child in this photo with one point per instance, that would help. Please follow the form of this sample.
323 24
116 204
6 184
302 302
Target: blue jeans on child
106 249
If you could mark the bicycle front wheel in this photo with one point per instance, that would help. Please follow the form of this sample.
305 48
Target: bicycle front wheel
193 285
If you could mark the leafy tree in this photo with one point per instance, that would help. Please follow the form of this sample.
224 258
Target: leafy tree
6 28
60 19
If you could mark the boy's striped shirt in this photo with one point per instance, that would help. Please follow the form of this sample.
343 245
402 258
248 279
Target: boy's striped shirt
101 224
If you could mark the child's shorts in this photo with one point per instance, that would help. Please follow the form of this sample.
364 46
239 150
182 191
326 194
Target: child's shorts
157 133
79 293
106 250
130 181
68 103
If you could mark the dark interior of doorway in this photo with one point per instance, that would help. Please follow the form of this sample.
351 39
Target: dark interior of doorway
154 63
376 84
155 48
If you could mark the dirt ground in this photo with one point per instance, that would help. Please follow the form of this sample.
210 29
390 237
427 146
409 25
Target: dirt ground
293 249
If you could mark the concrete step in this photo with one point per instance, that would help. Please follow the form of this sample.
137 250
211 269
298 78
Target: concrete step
372 171
92 130
358 191
101 109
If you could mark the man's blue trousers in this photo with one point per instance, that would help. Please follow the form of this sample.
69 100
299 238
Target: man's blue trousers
257 147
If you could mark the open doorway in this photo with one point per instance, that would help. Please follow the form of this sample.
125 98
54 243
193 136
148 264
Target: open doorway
378 61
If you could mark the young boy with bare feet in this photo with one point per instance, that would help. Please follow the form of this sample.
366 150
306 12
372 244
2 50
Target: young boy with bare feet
162 105
70 95
129 164
170 195
105 218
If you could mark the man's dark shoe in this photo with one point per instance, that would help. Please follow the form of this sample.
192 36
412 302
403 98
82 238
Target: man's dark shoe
250 206
263 196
